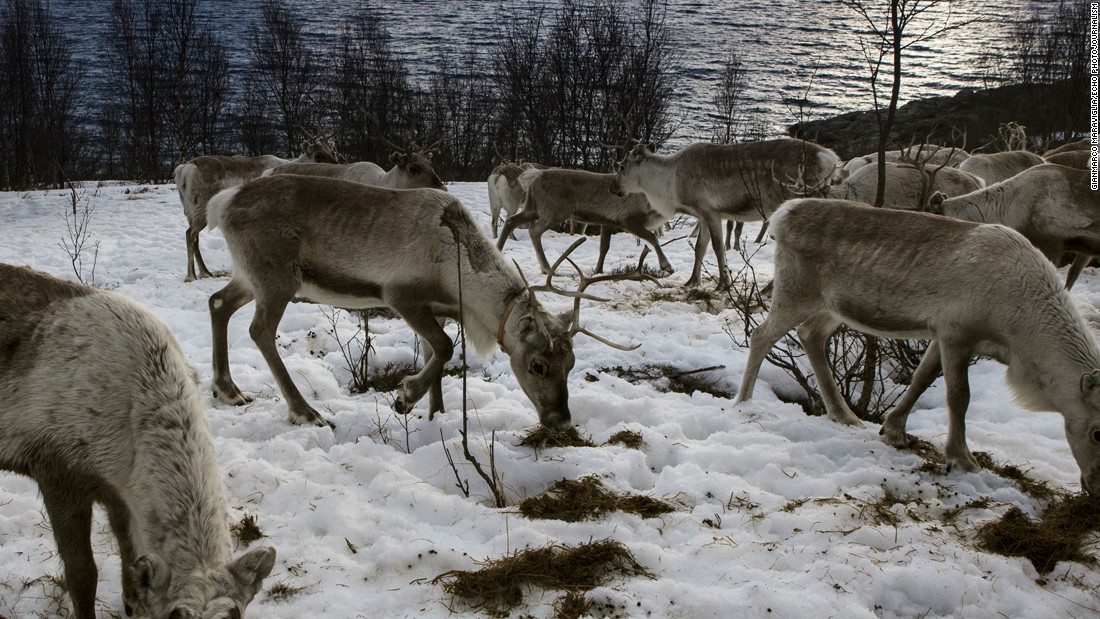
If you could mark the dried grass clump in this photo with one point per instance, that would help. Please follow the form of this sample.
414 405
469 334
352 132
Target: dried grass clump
587 499
247 531
281 591
573 605
627 438
1057 536
497 587
670 378
543 437
1036 488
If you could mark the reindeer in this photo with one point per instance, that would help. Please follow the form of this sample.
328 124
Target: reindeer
556 195
505 192
202 177
996 167
412 169
743 182
1082 144
907 186
973 289
1080 159
929 154
1051 205
99 405
416 251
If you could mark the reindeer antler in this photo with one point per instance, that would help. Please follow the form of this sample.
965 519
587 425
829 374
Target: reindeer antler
638 274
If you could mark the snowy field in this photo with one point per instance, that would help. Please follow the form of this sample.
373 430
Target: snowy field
771 519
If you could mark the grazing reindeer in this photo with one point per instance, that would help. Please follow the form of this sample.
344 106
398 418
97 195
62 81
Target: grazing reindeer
907 186
412 169
1051 205
199 179
99 405
996 167
555 196
973 289
505 192
711 182
416 251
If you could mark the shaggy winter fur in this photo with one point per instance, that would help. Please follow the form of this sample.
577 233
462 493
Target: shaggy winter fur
1082 144
970 288
409 171
199 179
556 196
355 246
906 186
996 167
1049 204
743 182
99 405
505 192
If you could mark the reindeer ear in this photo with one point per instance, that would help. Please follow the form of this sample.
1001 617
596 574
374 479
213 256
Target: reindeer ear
428 155
1090 387
394 156
150 577
252 567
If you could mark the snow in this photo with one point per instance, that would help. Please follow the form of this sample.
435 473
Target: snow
770 520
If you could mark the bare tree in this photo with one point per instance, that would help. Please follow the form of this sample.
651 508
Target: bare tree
39 132
285 70
895 26
196 80
727 99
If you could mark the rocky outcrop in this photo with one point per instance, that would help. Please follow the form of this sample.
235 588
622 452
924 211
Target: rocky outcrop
1043 109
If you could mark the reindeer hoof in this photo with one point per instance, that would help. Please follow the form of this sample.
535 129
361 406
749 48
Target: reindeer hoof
401 406
964 464
231 395
129 611
310 417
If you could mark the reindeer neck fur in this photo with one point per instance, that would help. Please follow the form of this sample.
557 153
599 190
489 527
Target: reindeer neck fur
993 204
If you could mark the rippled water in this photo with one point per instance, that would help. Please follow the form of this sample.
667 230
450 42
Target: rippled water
791 48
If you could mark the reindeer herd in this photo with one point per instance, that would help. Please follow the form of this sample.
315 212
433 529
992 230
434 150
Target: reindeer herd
965 257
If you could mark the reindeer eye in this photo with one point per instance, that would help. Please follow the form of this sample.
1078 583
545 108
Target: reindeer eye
1096 436
235 613
538 368
177 614
414 170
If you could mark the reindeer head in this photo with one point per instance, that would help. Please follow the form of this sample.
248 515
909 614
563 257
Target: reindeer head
1083 432
542 356
221 593
415 165
319 152
628 172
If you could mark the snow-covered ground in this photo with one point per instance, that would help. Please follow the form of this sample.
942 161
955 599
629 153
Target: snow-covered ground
771 518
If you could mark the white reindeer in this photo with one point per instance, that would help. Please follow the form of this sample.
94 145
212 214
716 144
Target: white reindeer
556 195
411 170
416 251
907 186
199 179
996 167
1051 205
98 404
929 154
973 289
711 182
505 192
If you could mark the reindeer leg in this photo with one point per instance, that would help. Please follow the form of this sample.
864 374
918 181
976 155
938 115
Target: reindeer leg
223 304
119 517
605 246
435 393
537 231
763 231
775 326
956 363
191 238
814 334
520 218
701 231
893 426
424 324
270 305
1080 261
203 271
648 236
714 226
70 511
733 231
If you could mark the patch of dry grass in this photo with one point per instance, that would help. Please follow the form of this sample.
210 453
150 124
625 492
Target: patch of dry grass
543 437
1057 536
247 531
588 499
627 438
497 588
